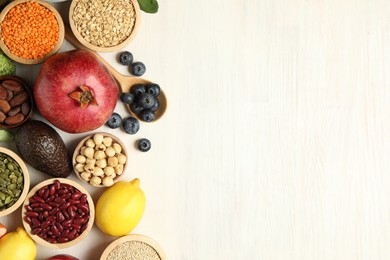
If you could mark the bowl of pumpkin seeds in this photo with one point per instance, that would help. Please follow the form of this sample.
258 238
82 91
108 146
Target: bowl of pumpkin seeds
14 181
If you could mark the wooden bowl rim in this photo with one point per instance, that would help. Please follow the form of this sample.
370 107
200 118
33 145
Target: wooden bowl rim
81 143
134 237
26 179
25 85
91 220
121 45
61 35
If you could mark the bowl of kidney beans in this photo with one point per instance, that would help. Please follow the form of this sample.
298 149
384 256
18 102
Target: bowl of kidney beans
58 213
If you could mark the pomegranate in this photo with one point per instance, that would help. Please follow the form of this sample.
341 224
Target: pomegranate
75 92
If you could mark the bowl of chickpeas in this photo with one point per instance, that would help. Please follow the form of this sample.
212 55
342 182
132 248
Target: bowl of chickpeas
100 159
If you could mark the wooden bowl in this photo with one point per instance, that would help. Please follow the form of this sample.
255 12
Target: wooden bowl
61 35
26 185
30 100
134 237
40 240
81 144
99 48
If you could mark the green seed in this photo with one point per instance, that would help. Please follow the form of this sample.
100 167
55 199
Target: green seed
2 196
7 200
10 166
20 180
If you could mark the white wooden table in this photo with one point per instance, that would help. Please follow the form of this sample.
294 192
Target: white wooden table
276 141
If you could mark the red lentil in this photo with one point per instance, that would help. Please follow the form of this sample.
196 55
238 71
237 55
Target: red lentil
30 30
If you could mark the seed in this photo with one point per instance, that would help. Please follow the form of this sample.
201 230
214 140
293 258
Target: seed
133 250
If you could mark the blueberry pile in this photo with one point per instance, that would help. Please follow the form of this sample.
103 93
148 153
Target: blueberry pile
136 68
143 100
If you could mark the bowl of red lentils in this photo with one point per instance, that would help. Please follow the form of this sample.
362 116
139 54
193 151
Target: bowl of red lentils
58 213
102 25
30 31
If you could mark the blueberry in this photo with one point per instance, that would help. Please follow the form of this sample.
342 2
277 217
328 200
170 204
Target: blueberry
144 145
156 105
137 68
148 115
153 89
114 121
127 98
138 89
146 100
126 58
130 125
136 108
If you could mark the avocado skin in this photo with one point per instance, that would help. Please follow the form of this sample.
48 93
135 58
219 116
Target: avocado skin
42 147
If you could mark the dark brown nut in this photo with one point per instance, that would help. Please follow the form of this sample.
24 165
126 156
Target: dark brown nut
13 120
4 106
2 117
19 99
10 94
3 93
12 85
25 108
14 111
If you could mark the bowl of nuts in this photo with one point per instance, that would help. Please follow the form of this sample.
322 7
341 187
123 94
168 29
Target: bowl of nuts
102 25
58 213
14 181
30 31
16 102
100 159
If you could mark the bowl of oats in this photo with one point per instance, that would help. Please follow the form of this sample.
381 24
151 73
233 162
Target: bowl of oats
104 25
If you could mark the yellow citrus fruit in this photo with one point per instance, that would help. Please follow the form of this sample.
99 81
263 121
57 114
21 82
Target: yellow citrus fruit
17 246
120 208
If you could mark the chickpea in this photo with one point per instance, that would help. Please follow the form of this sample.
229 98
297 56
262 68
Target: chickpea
80 158
100 147
89 167
89 152
102 163
107 141
95 181
99 155
98 139
86 176
90 161
82 150
117 147
119 169
79 167
108 181
90 143
122 159
109 171
110 151
112 161
98 171
111 174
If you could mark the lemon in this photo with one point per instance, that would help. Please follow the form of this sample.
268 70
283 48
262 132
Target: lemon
120 208
17 246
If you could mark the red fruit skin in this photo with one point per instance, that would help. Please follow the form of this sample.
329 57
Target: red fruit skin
62 74
62 257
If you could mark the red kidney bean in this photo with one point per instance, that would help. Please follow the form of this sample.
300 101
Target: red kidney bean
76 195
27 219
76 226
66 196
83 207
60 228
45 224
74 201
35 222
46 195
32 214
72 234
51 218
51 198
71 212
39 209
60 216
54 204
45 206
62 192
41 217
65 233
83 199
36 231
44 236
45 214
51 240
55 231
41 191
81 213
65 206
34 205
80 221
49 233
52 190
59 200
67 223
38 199
83 227
57 184
31 200
54 211
62 240
28 207
45 230
66 215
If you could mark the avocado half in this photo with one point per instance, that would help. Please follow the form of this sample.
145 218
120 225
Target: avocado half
43 148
